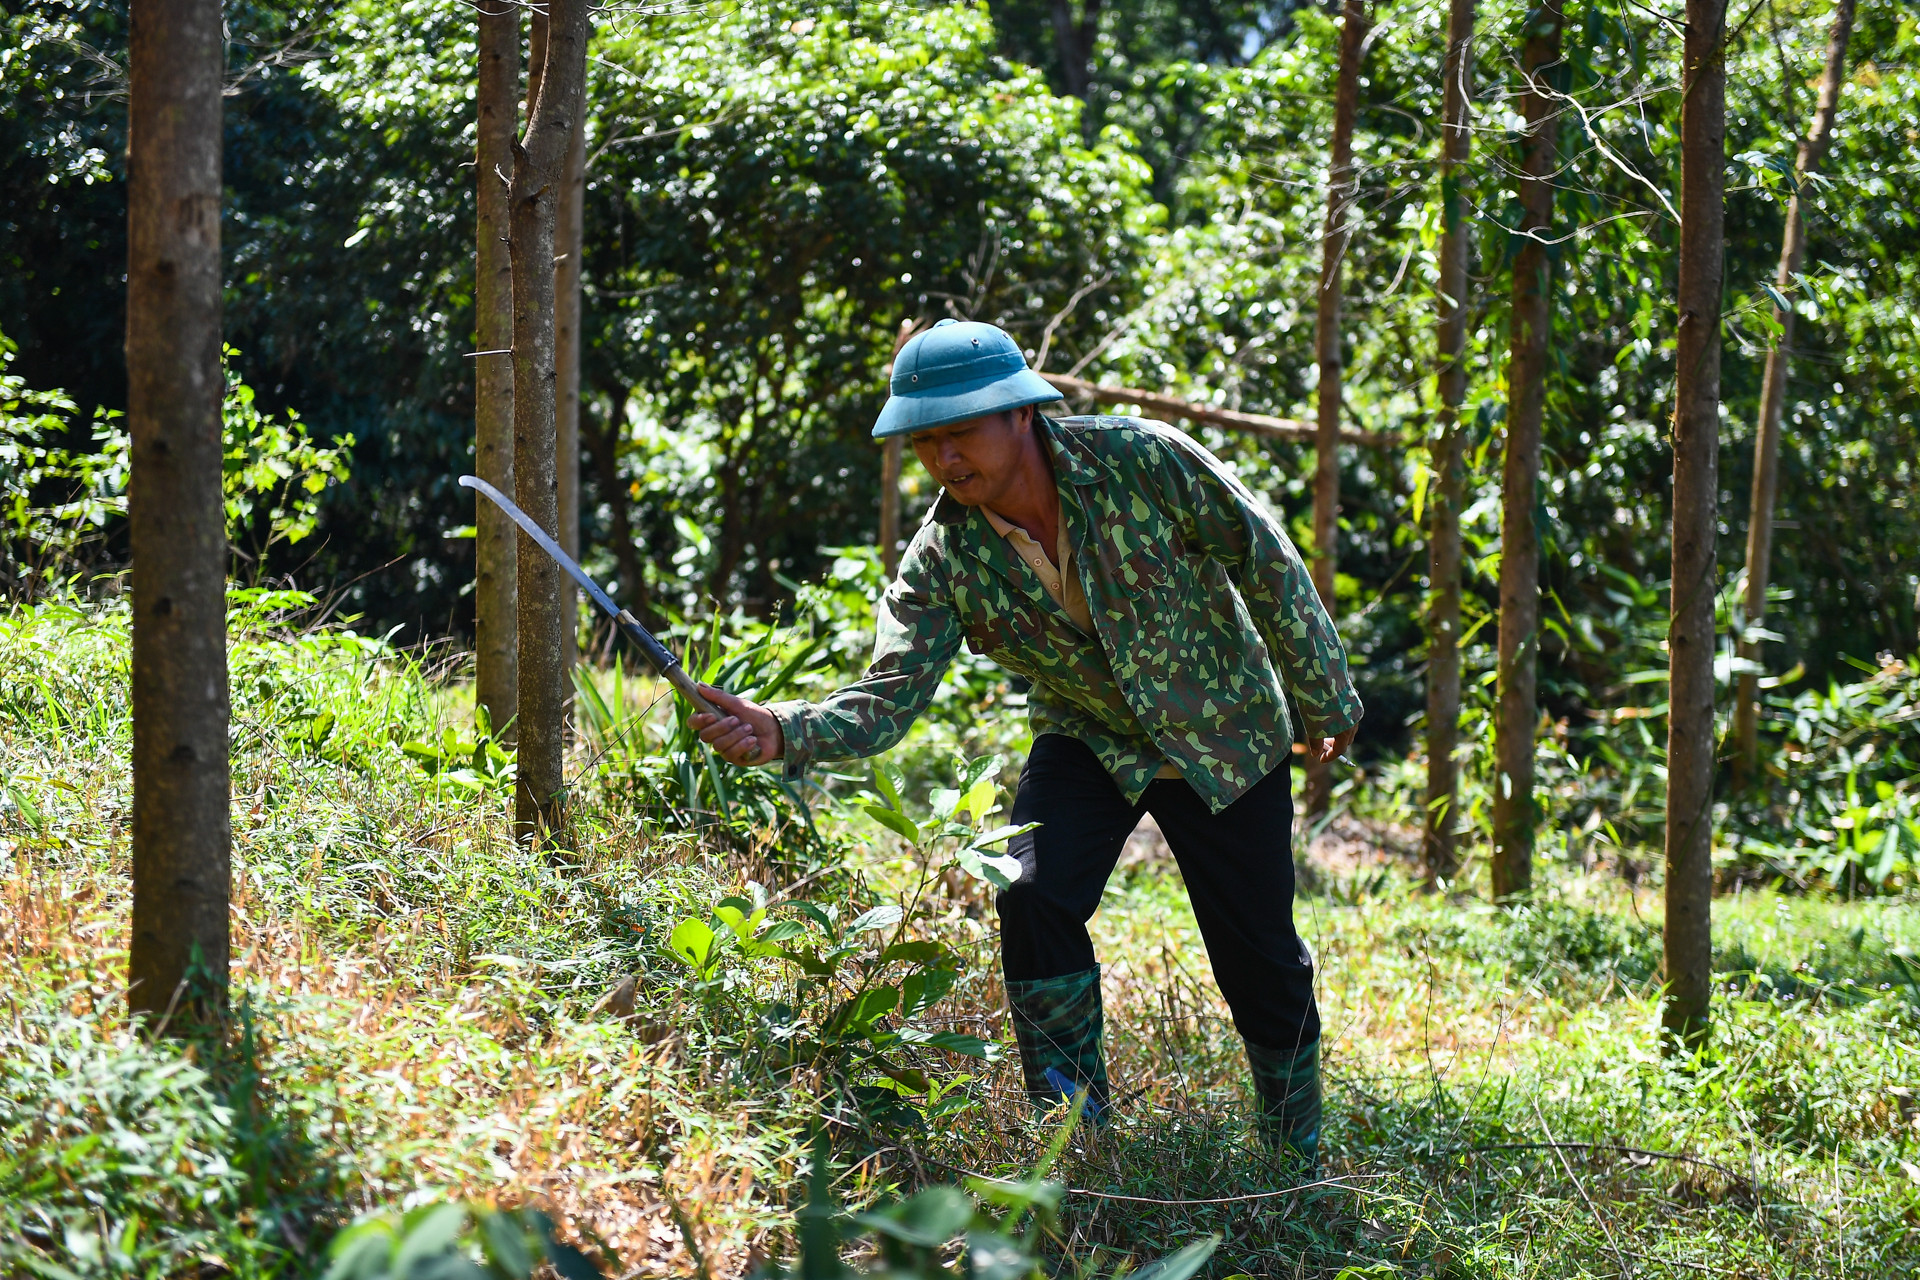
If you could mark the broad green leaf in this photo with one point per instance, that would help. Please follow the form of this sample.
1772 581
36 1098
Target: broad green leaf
1182 1265
881 917
953 1042
692 941
929 1220
894 821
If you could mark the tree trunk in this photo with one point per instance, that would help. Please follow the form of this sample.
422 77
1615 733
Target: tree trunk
1519 712
1696 440
1443 610
1074 40
605 447
495 588
178 954
539 171
571 237
892 455
1342 186
1773 392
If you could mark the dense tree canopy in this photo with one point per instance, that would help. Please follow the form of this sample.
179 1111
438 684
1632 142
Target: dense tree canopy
773 189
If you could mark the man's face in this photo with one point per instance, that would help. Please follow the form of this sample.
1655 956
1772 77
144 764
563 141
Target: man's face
976 460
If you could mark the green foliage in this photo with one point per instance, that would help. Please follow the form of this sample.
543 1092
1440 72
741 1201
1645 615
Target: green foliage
793 182
1840 804
658 765
824 994
916 1237
62 505
449 1240
853 995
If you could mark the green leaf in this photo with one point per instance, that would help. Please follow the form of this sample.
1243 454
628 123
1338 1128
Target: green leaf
929 1220
887 780
998 871
431 1232
916 952
881 917
692 941
822 916
1182 1265
980 798
783 931
860 1013
953 1042
921 990
1000 834
505 1241
362 1251
810 962
894 821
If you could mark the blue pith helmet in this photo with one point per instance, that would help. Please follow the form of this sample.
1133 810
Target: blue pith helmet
957 370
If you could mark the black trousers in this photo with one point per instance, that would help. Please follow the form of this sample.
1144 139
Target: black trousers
1237 864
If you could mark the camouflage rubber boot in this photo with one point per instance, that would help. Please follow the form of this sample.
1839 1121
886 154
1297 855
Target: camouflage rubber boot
1288 1082
1056 1022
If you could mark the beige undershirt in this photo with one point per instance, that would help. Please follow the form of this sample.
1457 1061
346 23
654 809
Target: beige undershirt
1057 576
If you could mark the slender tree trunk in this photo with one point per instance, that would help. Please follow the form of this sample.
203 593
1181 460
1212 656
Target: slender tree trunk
605 448
1074 38
571 237
1773 391
539 172
1513 811
1342 185
1443 610
1696 449
495 587
179 952
892 453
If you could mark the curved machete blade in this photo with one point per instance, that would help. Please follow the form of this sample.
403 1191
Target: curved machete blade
658 654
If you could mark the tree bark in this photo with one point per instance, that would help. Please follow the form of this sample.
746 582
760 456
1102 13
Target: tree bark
1519 711
539 171
1342 186
1074 40
1773 391
1443 567
571 238
495 588
892 455
1696 441
178 955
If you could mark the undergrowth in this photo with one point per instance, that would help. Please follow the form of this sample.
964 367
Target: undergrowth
425 1009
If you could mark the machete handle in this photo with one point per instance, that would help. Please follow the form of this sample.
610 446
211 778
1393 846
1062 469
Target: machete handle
665 663
676 675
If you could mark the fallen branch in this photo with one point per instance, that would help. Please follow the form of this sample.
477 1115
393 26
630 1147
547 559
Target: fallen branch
1231 419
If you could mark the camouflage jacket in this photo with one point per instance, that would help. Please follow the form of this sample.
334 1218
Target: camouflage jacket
1197 595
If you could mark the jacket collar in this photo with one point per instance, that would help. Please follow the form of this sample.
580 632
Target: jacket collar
1074 462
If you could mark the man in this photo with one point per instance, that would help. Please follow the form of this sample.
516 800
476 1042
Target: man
1154 606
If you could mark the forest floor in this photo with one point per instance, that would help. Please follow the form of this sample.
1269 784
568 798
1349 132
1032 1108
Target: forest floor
420 1010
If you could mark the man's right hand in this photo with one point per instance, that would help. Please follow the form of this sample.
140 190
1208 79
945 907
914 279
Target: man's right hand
745 733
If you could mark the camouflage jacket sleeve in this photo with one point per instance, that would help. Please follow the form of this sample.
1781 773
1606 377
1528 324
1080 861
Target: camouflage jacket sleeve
1228 523
917 636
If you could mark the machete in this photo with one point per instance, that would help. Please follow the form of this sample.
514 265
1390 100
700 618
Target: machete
658 654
